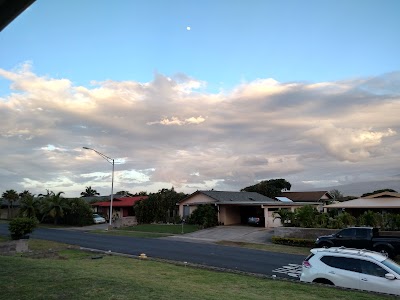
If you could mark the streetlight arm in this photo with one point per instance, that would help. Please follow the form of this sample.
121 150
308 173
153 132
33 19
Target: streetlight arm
109 159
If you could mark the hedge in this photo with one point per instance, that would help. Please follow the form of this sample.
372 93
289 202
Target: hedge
293 241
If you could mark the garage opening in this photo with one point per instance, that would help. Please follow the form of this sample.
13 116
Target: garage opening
250 211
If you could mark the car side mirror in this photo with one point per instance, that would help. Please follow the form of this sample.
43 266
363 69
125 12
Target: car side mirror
390 276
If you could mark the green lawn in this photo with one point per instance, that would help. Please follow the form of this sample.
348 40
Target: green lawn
268 247
74 274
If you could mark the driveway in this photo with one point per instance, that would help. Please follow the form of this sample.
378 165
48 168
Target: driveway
235 233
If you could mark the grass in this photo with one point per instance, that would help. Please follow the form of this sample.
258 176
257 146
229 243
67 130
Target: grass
268 247
149 230
75 274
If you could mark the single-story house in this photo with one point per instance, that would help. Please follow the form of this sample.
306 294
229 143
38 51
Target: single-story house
385 202
314 197
237 207
122 207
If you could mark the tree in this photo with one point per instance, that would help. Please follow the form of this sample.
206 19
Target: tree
78 213
10 196
270 188
89 192
158 207
29 206
124 193
285 215
205 216
53 205
377 192
336 195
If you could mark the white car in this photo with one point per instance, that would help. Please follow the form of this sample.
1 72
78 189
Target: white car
352 268
97 219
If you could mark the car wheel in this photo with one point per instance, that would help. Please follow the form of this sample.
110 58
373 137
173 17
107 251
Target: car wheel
323 281
324 245
384 250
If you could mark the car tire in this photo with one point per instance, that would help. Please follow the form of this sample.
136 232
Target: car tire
324 245
323 281
385 251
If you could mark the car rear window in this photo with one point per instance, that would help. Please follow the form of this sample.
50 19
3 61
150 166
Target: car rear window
344 263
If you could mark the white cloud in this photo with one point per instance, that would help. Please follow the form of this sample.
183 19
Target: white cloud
305 132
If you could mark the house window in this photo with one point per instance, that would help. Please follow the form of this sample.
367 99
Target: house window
186 211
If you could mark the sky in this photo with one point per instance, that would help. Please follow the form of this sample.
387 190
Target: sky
199 94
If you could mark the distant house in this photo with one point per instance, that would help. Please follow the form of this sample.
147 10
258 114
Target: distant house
385 202
319 198
122 206
237 207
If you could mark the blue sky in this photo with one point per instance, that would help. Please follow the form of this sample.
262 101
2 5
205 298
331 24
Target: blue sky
229 41
304 90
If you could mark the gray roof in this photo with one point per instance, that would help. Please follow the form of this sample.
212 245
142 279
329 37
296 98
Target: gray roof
238 197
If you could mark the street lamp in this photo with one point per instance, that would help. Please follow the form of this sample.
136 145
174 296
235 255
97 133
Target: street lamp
111 161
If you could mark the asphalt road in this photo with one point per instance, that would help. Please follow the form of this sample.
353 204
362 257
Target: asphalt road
234 258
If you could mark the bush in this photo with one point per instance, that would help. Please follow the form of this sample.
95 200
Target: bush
205 216
293 242
20 227
78 213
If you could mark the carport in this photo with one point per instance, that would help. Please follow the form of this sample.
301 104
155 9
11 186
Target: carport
232 207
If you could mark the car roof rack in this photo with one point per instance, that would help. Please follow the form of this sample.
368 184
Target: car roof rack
354 251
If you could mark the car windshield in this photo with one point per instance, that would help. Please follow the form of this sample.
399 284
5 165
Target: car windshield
96 216
392 265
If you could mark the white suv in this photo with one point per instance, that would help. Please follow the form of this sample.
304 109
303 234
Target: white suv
352 268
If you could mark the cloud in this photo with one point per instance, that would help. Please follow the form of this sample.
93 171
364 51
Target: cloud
172 132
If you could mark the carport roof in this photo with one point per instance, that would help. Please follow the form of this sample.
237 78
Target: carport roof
243 198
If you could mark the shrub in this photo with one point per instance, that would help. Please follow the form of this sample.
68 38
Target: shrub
19 227
293 242
306 215
205 216
78 213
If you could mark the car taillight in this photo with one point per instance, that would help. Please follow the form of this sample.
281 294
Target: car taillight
306 264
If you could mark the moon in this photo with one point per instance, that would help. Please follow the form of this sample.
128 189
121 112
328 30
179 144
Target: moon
188 28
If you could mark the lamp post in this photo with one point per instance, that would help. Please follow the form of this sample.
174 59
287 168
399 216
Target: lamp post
111 161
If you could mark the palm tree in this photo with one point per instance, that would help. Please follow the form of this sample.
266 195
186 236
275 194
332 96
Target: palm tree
29 206
53 205
11 196
89 192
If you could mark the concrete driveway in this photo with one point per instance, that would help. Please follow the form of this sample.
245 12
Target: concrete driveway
235 233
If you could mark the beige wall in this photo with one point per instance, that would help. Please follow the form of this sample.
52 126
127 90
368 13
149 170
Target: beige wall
229 214
199 198
269 219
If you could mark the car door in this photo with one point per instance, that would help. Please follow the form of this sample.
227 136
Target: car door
342 271
345 237
372 278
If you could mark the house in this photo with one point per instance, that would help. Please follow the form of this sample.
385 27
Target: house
385 202
122 209
319 198
237 207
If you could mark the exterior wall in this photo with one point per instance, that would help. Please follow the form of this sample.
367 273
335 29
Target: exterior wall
269 219
125 221
199 198
13 212
229 214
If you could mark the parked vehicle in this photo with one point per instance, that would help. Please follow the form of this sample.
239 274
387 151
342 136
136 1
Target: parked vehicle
352 268
362 238
97 219
256 221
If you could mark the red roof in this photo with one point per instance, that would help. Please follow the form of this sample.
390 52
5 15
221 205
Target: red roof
121 202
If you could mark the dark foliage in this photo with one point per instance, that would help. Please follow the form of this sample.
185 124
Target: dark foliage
270 188
20 227
205 216
159 207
